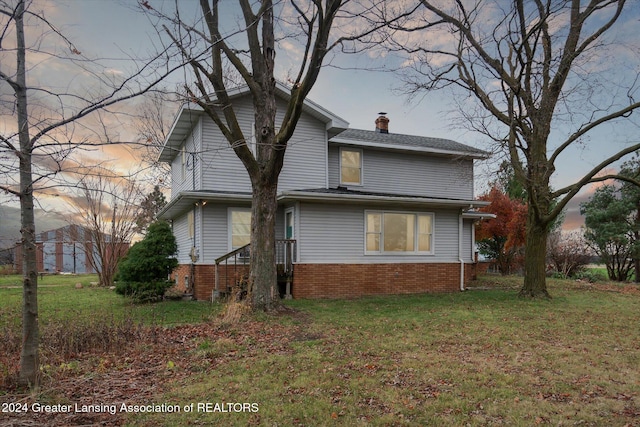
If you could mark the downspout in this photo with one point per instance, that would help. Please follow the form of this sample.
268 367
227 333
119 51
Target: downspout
460 238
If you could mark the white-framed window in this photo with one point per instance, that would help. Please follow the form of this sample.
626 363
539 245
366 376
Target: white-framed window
389 232
239 227
350 166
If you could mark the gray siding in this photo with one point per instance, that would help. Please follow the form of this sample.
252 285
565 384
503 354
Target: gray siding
186 183
304 163
181 233
214 233
335 234
408 173
221 168
468 248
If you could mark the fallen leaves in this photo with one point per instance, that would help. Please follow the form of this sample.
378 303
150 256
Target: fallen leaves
143 369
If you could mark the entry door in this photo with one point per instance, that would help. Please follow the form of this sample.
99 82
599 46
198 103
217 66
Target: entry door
289 221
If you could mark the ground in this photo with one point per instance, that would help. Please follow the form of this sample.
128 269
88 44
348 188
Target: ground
482 357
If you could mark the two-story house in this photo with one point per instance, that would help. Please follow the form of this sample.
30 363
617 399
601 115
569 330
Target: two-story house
361 212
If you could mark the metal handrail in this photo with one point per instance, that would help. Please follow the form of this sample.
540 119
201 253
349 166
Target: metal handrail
285 256
233 253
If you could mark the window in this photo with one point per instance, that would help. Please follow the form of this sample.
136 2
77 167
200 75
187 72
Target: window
398 232
350 166
240 230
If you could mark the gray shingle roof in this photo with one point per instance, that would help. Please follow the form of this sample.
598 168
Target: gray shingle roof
399 141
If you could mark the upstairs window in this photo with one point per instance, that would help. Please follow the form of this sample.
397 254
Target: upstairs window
350 166
398 233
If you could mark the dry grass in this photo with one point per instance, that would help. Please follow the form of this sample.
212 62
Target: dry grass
479 358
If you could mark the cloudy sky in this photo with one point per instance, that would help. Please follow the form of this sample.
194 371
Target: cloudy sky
115 30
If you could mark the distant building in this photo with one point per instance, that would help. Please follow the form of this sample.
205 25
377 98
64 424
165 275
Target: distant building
66 250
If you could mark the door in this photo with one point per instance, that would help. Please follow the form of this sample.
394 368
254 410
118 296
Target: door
289 221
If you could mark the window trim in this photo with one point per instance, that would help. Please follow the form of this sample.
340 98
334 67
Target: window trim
415 233
357 150
290 210
230 211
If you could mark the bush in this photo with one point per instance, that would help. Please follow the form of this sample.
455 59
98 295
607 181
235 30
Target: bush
567 253
142 274
591 276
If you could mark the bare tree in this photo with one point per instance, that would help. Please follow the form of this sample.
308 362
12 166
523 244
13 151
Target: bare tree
42 123
107 208
569 253
254 59
153 124
531 67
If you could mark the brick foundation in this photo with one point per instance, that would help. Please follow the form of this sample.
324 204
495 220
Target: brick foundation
355 280
205 278
341 280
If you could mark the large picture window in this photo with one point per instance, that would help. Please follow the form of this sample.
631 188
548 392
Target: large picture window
240 230
398 232
350 166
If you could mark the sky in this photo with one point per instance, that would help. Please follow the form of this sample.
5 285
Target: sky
113 29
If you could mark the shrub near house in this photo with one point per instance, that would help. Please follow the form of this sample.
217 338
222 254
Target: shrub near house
143 273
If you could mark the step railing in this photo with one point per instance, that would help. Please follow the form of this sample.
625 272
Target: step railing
237 263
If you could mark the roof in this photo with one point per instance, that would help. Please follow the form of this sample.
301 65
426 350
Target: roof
189 114
397 141
342 195
187 199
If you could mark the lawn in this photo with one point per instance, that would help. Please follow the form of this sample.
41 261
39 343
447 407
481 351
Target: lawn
60 301
482 357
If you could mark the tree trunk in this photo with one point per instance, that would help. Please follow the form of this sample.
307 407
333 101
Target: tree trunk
263 278
29 355
636 256
535 280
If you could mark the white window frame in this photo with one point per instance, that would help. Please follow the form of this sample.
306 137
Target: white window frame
292 211
357 150
230 225
415 233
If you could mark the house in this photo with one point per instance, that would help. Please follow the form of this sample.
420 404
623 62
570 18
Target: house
361 212
66 250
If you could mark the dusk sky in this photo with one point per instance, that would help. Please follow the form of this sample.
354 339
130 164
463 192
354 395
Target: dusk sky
114 29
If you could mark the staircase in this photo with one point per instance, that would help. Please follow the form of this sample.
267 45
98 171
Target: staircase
232 270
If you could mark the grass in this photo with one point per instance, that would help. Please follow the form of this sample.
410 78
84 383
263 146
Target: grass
59 301
482 357
476 358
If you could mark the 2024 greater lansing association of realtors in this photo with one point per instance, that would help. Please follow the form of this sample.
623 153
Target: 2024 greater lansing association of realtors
209 407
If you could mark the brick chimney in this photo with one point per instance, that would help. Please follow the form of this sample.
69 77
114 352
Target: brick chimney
382 123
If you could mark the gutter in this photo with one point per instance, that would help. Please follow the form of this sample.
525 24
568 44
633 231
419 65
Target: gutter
368 198
460 230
